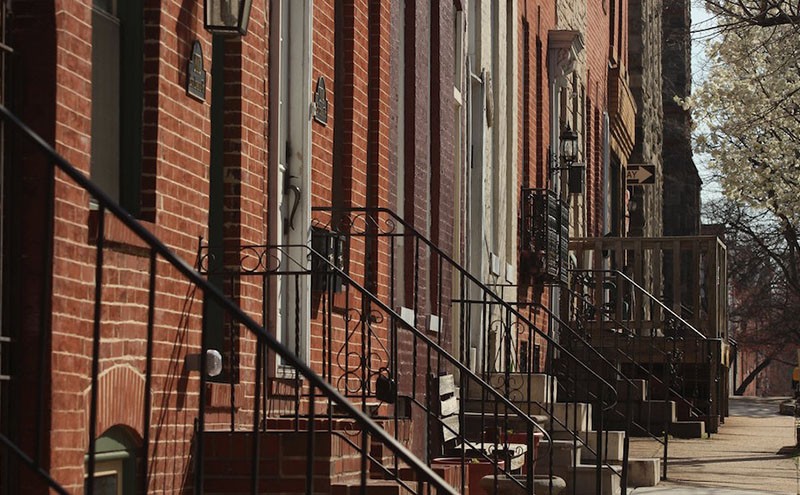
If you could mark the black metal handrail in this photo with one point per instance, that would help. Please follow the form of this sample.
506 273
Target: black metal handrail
483 287
584 299
612 367
156 248
264 261
366 223
697 333
672 317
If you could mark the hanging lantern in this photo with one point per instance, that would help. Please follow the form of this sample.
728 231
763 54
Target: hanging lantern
227 16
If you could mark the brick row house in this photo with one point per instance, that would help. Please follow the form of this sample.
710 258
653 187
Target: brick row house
320 246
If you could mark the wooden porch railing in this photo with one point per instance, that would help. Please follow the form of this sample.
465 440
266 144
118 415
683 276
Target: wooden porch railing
689 274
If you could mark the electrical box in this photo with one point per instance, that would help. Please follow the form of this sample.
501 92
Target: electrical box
329 245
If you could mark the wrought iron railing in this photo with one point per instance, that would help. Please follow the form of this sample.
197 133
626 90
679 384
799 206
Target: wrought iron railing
571 335
358 336
672 348
477 316
163 268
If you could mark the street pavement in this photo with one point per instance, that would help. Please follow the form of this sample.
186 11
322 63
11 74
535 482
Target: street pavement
752 453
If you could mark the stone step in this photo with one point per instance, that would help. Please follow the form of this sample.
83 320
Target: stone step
542 485
644 472
644 412
572 416
566 453
613 445
585 476
687 429
485 425
635 391
581 479
522 387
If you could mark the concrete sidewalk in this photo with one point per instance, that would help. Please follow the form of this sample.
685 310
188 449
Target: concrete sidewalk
753 453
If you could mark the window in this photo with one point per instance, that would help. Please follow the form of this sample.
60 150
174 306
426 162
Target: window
115 463
108 478
117 88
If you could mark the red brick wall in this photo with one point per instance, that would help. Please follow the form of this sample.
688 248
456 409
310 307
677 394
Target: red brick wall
175 200
537 17
597 60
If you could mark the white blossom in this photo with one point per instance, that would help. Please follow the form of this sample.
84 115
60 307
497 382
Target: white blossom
748 109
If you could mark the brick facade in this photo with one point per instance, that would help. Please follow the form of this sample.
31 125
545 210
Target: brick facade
396 138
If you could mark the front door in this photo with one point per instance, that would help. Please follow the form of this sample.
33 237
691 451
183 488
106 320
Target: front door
290 205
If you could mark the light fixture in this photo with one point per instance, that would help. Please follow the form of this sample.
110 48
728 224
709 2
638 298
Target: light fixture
568 155
569 145
213 362
227 16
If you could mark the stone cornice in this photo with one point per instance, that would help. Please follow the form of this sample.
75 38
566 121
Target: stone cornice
564 46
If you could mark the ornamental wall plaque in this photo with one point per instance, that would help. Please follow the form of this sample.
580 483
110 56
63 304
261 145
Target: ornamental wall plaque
195 74
321 102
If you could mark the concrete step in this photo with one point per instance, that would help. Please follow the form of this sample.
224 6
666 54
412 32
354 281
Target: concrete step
635 391
566 453
572 416
475 407
613 444
655 413
641 472
477 422
612 447
542 485
687 429
581 479
585 480
644 472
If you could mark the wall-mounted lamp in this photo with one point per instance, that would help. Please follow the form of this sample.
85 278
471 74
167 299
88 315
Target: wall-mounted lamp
569 145
213 362
227 16
568 154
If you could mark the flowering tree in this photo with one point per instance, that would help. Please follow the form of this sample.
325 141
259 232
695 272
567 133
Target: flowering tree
748 116
748 111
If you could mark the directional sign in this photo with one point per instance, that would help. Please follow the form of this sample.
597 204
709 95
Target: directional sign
638 175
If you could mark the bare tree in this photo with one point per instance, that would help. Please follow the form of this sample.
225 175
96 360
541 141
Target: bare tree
764 13
763 262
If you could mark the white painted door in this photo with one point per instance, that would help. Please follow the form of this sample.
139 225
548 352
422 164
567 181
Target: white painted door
290 205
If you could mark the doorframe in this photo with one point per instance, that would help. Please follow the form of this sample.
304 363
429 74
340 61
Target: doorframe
300 107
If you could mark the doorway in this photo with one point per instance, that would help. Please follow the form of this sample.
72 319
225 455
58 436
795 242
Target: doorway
290 170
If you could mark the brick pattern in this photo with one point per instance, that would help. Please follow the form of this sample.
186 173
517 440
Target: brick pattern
536 18
174 199
353 163
283 462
